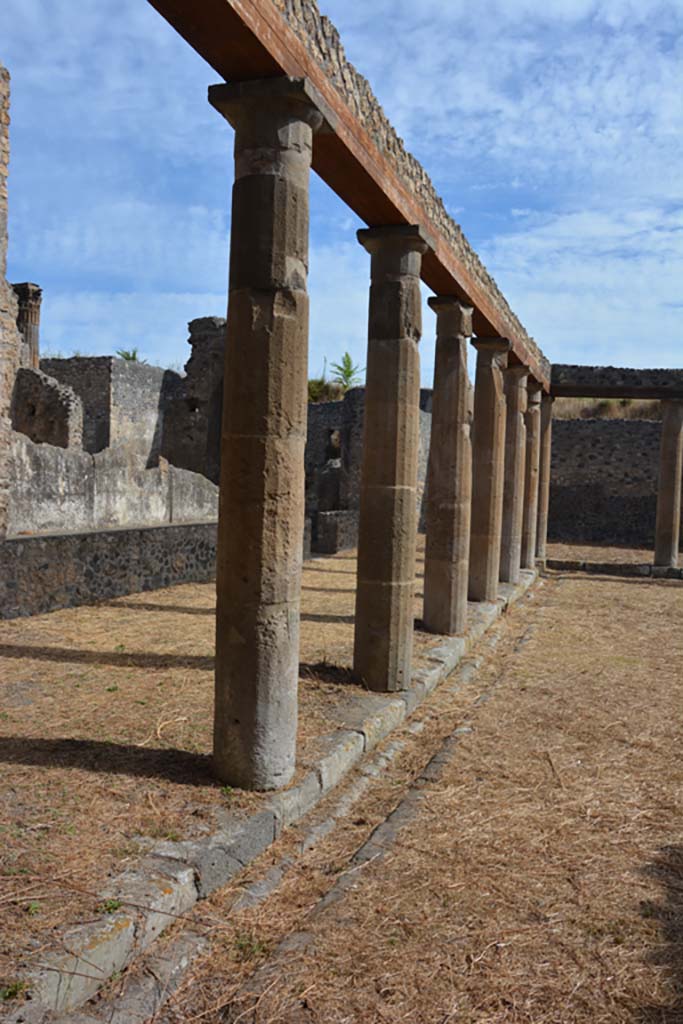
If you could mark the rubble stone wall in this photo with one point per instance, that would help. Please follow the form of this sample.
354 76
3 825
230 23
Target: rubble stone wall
604 481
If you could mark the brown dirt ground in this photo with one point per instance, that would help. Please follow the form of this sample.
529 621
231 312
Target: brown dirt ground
542 880
105 736
600 553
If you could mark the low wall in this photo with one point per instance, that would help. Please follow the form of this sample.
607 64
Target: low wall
64 570
604 482
41 574
66 489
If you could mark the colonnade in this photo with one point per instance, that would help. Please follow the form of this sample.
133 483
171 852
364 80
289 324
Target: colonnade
485 519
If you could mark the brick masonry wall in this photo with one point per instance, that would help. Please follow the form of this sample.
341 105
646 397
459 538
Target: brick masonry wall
604 481
10 339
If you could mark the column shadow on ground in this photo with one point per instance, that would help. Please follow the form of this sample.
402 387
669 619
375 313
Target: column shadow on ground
120 659
170 764
667 871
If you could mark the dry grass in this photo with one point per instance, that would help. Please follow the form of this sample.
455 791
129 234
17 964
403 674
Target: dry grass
105 722
606 409
541 882
600 553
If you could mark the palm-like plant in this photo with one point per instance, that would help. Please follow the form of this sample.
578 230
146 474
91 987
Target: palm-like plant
346 373
130 355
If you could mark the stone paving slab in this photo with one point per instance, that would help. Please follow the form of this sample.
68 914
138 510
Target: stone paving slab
174 876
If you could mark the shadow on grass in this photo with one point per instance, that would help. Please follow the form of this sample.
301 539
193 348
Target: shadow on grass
119 659
150 607
323 672
178 766
667 871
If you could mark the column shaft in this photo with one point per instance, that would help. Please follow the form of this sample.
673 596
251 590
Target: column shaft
388 498
261 519
515 462
29 297
670 479
449 488
533 461
488 467
544 476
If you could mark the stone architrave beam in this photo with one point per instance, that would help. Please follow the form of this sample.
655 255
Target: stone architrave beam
531 485
488 468
261 519
361 156
516 378
670 482
388 495
545 471
449 483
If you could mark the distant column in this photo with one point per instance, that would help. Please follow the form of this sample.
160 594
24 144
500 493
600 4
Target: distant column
515 461
261 519
544 476
533 462
488 468
449 488
670 482
29 297
388 499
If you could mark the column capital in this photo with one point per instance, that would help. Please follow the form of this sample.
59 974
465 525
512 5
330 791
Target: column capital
535 392
452 309
492 351
401 237
28 292
291 95
519 373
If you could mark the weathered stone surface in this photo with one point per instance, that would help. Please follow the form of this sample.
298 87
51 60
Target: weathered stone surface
10 339
449 492
41 574
488 461
668 528
545 467
29 298
114 488
516 378
388 501
531 476
46 411
604 482
261 522
124 402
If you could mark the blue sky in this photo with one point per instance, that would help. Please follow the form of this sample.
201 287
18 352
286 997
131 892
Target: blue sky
554 132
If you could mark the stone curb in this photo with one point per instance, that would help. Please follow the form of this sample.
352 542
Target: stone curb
627 569
172 877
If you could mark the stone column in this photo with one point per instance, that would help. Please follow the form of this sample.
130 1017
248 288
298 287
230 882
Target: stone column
544 476
261 518
531 475
449 488
388 500
670 480
29 296
515 462
488 467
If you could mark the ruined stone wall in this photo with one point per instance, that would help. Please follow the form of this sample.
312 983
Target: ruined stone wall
123 402
10 339
54 488
46 411
604 481
192 423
